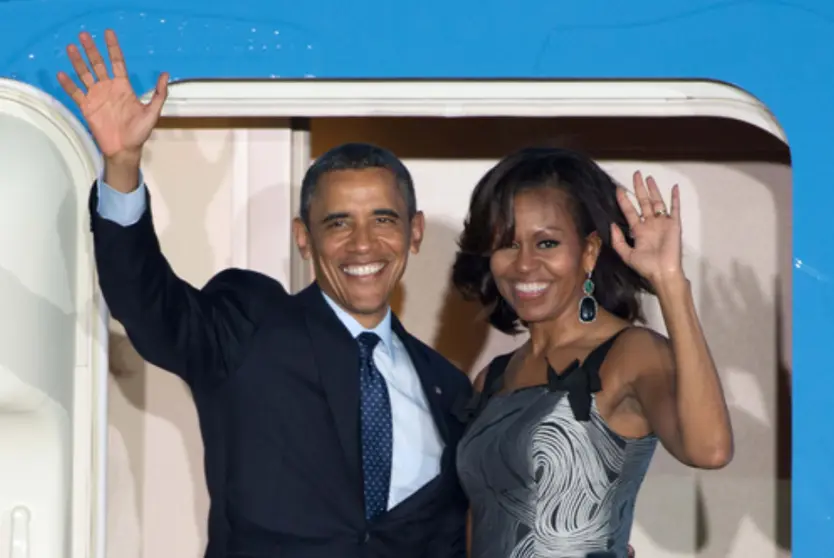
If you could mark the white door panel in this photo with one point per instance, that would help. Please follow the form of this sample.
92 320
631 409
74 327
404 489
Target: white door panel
53 346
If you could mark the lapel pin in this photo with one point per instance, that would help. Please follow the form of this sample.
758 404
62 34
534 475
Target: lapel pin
438 391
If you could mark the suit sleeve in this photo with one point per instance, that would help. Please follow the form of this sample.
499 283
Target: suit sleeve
450 540
198 334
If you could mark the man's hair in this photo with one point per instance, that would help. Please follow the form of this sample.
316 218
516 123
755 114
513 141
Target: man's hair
356 156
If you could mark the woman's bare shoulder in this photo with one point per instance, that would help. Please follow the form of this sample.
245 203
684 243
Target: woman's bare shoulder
639 348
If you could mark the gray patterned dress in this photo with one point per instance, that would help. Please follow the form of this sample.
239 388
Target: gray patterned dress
545 476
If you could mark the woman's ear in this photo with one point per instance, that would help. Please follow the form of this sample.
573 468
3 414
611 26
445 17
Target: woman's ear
590 255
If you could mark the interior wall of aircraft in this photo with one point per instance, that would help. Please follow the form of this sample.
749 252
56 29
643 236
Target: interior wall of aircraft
736 195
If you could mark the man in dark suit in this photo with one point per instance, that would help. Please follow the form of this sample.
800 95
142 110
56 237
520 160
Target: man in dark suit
328 429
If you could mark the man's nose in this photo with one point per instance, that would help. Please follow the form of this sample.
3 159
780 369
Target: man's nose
360 239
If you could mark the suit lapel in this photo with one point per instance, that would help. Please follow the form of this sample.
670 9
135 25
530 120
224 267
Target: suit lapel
337 358
336 355
427 375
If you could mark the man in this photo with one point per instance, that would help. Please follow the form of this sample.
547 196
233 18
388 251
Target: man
328 429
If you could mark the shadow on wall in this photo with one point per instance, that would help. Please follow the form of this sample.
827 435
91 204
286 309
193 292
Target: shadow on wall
742 313
730 305
460 333
189 182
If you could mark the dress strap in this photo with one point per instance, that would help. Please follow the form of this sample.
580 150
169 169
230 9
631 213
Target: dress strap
494 380
596 357
582 380
467 410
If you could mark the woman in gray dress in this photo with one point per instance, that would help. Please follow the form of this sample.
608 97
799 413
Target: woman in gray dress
562 430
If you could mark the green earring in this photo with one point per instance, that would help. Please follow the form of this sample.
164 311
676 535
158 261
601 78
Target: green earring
588 304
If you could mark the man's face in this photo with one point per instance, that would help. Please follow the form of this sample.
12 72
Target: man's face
359 238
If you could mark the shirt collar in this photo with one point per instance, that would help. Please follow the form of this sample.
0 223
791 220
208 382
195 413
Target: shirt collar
383 328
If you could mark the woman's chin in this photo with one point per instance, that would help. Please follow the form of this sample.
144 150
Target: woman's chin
532 317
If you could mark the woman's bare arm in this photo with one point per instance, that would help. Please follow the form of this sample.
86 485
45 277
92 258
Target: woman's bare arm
678 386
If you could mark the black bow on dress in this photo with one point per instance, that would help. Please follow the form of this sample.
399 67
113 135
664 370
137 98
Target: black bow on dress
580 383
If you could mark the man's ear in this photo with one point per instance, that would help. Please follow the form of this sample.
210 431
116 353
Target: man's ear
302 238
418 226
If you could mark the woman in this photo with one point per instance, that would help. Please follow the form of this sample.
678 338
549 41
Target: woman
563 429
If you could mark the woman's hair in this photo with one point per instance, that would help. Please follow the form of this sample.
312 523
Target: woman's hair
592 202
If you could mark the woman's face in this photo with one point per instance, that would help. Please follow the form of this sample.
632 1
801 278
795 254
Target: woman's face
541 274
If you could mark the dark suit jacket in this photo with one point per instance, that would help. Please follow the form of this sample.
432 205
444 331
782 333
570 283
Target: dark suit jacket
275 380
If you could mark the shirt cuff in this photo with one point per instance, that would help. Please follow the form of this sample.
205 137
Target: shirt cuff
123 209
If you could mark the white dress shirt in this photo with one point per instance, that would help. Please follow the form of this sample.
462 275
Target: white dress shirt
417 447
417 444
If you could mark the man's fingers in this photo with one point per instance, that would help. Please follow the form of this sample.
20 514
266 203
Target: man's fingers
94 56
117 59
71 89
80 67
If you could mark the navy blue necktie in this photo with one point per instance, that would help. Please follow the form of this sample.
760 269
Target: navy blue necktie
377 436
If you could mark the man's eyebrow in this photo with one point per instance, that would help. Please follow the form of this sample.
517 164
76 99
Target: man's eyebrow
381 212
386 213
333 217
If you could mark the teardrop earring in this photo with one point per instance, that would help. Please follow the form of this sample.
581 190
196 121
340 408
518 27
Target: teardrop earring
588 304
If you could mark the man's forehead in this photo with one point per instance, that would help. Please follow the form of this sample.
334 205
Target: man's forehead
358 188
371 174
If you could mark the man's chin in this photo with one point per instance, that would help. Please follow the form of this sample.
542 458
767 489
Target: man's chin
365 297
368 307
366 304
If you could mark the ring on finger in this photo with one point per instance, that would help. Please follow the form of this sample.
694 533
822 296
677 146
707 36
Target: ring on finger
659 208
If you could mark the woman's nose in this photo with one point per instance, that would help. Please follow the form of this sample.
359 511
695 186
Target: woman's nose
525 260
